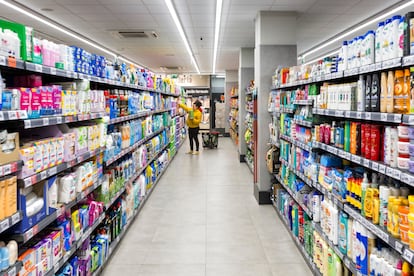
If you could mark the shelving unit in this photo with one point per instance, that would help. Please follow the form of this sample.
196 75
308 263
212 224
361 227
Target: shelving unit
234 118
404 177
249 135
20 120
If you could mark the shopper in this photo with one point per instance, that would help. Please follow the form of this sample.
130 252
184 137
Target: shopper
193 123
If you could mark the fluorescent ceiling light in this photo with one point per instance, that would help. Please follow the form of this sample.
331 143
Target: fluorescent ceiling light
56 27
220 76
219 6
359 27
324 56
180 29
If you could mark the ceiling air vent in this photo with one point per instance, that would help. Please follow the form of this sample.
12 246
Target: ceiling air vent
132 34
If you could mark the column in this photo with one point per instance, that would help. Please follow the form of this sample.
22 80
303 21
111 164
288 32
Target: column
275 45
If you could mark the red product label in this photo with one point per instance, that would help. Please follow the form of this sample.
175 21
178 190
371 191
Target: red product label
43 97
57 99
363 140
50 97
367 147
375 142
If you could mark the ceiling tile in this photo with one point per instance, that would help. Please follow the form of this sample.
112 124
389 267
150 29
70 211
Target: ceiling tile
131 9
86 9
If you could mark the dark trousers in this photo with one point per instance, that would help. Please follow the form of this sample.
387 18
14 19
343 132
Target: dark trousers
193 136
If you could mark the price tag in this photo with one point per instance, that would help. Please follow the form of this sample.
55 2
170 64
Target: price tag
375 166
409 60
45 121
7 169
397 174
339 113
53 171
15 218
38 68
356 159
408 255
12 271
381 168
405 178
28 182
397 118
12 115
348 114
43 175
410 119
52 71
347 263
29 234
347 155
4 225
399 247
59 120
359 115
3 60
384 117
27 124
366 163
368 116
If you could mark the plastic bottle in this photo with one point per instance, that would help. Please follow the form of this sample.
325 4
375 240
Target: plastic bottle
394 36
399 91
386 40
370 47
375 93
361 94
390 92
378 42
400 37
343 232
334 223
368 86
1 90
363 257
349 238
384 92
364 186
344 56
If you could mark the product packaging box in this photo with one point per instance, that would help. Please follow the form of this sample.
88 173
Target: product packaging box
25 35
28 259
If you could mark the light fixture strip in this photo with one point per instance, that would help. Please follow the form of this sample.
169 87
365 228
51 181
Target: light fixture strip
180 29
359 27
322 57
219 6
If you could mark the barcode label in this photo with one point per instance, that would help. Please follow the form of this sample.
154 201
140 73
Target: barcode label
7 169
408 255
4 225
15 218
13 115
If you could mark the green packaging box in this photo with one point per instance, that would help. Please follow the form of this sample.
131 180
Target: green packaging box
25 35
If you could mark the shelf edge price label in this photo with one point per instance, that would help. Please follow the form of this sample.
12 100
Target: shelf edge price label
397 174
368 116
366 162
384 117
359 115
375 166
339 113
28 182
397 118
53 171
15 218
12 271
45 121
382 169
4 225
43 175
347 262
3 60
38 68
399 247
59 120
347 114
408 255
12 115
52 71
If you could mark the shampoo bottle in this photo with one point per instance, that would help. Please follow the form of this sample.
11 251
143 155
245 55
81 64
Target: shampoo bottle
390 92
375 91
368 93
364 187
384 92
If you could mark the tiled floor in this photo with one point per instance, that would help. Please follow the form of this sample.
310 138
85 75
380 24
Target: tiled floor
203 220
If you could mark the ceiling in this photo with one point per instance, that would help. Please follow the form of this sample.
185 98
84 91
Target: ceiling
317 21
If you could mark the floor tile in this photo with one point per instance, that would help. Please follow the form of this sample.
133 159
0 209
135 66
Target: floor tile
172 270
120 269
238 270
230 253
176 253
180 233
291 269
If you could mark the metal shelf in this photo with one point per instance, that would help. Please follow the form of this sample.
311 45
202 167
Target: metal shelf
133 147
305 255
406 252
13 270
403 176
25 237
57 120
135 116
360 115
293 195
297 143
303 102
303 123
11 167
36 178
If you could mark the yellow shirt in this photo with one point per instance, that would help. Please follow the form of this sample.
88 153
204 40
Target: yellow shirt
192 123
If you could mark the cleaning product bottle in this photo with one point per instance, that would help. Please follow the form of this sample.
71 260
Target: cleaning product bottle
343 232
349 238
364 187
405 271
347 136
331 262
390 92
398 91
363 254
384 92
361 94
334 224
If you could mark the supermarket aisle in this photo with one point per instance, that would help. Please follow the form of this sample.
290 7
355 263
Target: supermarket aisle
202 219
